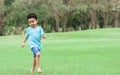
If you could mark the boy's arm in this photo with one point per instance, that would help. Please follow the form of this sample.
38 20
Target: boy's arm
24 40
43 36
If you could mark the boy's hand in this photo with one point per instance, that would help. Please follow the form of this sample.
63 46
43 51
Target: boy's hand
43 36
23 45
23 42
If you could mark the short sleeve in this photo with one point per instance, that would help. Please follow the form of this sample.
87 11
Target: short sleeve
41 32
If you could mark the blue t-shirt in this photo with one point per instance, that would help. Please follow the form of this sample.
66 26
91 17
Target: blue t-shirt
34 35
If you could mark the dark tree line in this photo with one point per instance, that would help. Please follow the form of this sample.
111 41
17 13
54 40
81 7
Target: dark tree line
59 15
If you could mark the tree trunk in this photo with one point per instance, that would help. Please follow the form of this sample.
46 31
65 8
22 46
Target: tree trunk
56 26
105 23
115 19
1 18
93 20
1 25
105 17
1 30
64 22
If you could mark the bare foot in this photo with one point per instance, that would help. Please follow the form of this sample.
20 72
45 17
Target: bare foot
39 70
32 70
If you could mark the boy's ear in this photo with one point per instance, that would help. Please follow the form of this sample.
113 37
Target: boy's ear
37 20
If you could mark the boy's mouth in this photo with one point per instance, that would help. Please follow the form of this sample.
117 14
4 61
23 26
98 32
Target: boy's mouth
33 25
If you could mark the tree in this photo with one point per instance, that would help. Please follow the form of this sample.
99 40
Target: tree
115 9
56 14
2 11
93 9
54 10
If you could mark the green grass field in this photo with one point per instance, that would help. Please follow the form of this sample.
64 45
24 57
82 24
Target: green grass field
90 52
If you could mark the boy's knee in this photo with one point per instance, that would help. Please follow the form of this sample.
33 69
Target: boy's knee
38 54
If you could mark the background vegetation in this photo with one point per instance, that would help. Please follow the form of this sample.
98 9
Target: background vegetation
59 15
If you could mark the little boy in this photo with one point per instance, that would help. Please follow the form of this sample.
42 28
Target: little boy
34 33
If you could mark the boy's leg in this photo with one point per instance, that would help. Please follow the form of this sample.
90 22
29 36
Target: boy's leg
38 62
33 65
36 53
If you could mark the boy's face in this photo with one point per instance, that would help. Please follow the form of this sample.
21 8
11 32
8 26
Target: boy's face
32 22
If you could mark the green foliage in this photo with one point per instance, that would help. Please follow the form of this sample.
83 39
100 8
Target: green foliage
61 11
2 7
8 2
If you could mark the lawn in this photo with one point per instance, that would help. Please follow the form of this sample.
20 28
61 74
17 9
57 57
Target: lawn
88 52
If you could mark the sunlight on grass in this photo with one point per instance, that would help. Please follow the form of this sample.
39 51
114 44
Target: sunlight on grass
90 52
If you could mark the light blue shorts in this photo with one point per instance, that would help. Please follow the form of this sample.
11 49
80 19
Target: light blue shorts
35 50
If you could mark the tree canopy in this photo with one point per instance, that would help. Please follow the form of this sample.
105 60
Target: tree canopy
59 15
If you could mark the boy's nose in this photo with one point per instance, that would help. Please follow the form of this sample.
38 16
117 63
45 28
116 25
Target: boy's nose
32 23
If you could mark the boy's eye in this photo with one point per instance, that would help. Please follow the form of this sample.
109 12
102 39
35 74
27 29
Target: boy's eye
31 21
